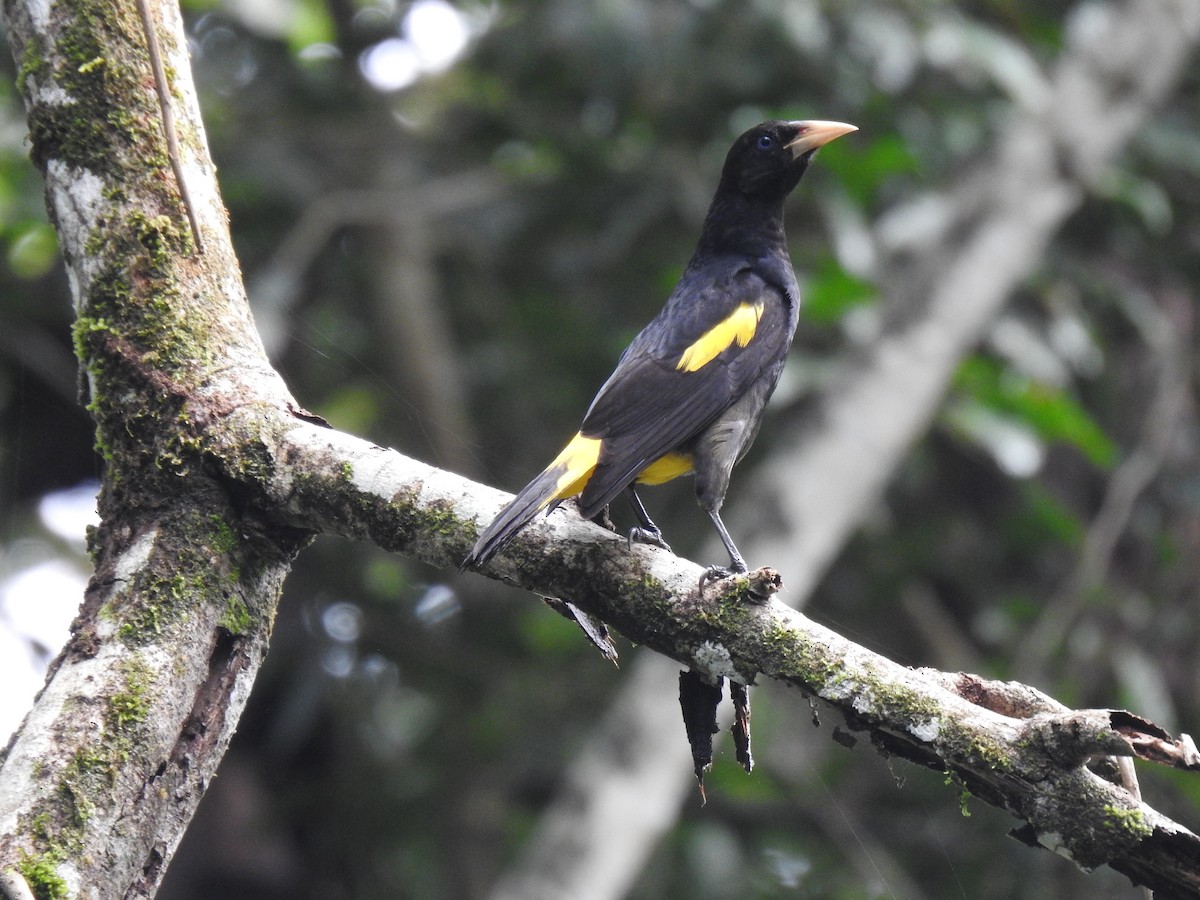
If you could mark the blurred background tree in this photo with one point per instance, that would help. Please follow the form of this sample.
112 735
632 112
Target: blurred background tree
452 219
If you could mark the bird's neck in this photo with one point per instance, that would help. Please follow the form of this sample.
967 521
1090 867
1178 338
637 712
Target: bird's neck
737 223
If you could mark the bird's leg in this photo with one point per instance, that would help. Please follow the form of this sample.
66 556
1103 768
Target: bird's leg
737 565
645 532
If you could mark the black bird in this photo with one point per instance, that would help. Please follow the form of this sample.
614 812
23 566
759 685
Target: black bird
687 396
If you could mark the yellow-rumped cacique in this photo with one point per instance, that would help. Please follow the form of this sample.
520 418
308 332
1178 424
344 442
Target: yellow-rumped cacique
688 394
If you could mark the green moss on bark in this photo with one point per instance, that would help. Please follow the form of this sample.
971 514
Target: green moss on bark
40 871
86 783
133 330
237 618
128 707
197 567
100 63
1129 821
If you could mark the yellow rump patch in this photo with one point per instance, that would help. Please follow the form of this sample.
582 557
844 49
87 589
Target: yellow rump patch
665 468
576 462
739 326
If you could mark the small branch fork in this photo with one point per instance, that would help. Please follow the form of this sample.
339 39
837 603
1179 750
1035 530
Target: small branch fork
168 118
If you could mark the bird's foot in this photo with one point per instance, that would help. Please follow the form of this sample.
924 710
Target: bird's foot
651 535
717 573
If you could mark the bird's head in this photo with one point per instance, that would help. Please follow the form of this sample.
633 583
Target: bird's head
768 160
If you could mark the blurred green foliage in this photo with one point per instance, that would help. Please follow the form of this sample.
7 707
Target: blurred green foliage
1051 413
831 291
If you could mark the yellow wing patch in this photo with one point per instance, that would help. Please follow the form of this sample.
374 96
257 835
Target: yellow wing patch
575 465
576 462
739 326
666 468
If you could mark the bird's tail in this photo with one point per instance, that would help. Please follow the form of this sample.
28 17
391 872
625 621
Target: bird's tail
563 478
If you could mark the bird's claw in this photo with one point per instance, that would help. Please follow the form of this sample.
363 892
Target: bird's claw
651 536
716 573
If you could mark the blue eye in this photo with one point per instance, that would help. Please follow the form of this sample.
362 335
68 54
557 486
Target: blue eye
765 142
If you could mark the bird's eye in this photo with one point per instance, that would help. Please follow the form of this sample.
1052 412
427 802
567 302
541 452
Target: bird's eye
766 142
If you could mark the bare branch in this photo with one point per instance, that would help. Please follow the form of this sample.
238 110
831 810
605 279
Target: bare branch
1169 346
168 118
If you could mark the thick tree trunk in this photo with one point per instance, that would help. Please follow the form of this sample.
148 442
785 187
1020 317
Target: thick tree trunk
107 769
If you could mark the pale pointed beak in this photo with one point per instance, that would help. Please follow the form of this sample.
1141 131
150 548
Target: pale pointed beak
816 133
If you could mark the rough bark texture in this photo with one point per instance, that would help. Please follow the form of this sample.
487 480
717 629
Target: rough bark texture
214 477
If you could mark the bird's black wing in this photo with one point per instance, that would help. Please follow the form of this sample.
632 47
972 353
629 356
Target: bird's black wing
659 397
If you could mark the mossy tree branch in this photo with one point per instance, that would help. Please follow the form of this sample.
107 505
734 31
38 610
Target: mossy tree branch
1006 744
214 478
